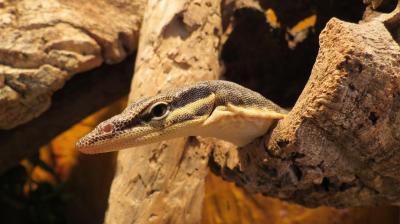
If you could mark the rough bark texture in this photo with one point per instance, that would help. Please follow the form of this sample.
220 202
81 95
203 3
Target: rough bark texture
69 106
43 43
339 145
164 183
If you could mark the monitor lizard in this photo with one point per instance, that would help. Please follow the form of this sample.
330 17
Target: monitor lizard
219 109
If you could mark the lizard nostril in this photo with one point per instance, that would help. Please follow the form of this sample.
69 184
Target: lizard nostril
107 128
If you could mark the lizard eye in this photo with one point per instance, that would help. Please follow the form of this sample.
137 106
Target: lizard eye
159 110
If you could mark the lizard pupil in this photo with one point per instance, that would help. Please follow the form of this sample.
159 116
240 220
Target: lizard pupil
159 110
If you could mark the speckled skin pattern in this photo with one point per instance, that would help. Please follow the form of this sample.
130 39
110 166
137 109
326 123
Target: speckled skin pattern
186 109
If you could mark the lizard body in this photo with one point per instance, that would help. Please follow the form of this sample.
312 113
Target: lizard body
220 109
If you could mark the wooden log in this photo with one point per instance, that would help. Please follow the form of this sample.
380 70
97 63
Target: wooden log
82 95
339 145
164 183
44 43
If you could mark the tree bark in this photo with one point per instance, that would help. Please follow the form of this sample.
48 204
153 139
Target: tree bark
69 106
339 145
164 183
44 43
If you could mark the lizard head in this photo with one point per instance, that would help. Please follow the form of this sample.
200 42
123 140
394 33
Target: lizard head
150 120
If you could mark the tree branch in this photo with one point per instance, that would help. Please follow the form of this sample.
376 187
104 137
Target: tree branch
43 44
164 183
71 104
339 146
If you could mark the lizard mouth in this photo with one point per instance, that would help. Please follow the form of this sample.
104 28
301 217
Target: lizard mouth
118 134
109 143
93 142
107 138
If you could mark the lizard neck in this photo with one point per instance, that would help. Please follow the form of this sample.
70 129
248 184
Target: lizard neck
236 124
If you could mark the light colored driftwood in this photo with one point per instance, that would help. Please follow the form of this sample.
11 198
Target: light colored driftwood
340 144
43 43
164 183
